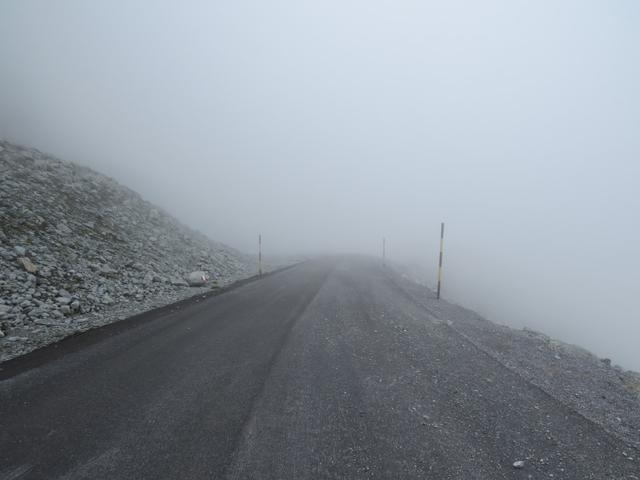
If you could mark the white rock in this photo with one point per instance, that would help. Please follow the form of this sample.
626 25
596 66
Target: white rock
197 278
518 464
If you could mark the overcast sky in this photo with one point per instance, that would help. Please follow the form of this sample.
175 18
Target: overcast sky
326 125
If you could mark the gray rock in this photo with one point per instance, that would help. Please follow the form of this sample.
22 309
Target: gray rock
65 309
27 264
16 339
47 322
63 300
197 278
63 293
107 271
75 306
20 251
107 299
63 229
518 464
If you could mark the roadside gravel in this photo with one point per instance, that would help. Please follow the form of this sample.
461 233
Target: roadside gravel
601 392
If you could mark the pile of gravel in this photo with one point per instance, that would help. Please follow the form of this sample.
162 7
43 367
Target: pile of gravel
78 250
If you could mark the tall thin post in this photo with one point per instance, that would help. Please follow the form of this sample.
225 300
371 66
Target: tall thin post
440 262
384 251
260 254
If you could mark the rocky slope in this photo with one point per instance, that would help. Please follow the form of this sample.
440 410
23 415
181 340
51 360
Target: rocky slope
77 250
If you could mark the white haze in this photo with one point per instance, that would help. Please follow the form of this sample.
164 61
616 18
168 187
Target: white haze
327 125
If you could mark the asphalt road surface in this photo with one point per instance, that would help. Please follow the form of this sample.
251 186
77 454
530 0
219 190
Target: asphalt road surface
324 370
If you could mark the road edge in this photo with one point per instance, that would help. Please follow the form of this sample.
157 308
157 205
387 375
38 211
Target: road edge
79 340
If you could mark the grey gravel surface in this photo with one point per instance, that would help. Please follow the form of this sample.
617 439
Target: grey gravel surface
329 369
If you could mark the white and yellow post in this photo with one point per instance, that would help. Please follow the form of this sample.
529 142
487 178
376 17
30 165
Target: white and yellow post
260 254
440 262
384 251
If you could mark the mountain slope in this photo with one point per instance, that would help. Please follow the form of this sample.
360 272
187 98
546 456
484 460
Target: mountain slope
77 249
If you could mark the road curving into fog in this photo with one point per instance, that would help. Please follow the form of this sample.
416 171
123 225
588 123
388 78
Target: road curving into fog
324 370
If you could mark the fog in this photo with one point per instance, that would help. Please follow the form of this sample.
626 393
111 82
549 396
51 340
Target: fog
328 125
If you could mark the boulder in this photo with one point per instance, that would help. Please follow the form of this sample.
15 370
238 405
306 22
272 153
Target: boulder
197 278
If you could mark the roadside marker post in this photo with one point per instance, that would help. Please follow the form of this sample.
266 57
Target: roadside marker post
440 261
384 251
260 254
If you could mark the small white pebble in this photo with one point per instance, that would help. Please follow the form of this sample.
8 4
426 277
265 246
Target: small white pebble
518 464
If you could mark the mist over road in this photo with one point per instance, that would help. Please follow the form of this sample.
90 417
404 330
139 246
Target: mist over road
324 370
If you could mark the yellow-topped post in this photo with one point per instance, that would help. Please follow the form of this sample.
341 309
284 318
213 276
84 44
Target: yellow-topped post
440 262
384 251
260 254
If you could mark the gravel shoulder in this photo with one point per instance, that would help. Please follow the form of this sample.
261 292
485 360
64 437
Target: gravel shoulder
601 392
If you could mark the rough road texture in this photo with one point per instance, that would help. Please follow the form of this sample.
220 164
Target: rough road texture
330 369
79 250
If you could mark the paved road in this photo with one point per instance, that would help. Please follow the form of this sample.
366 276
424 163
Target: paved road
324 370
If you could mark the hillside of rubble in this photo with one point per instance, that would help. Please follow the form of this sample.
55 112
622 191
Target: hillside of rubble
78 250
